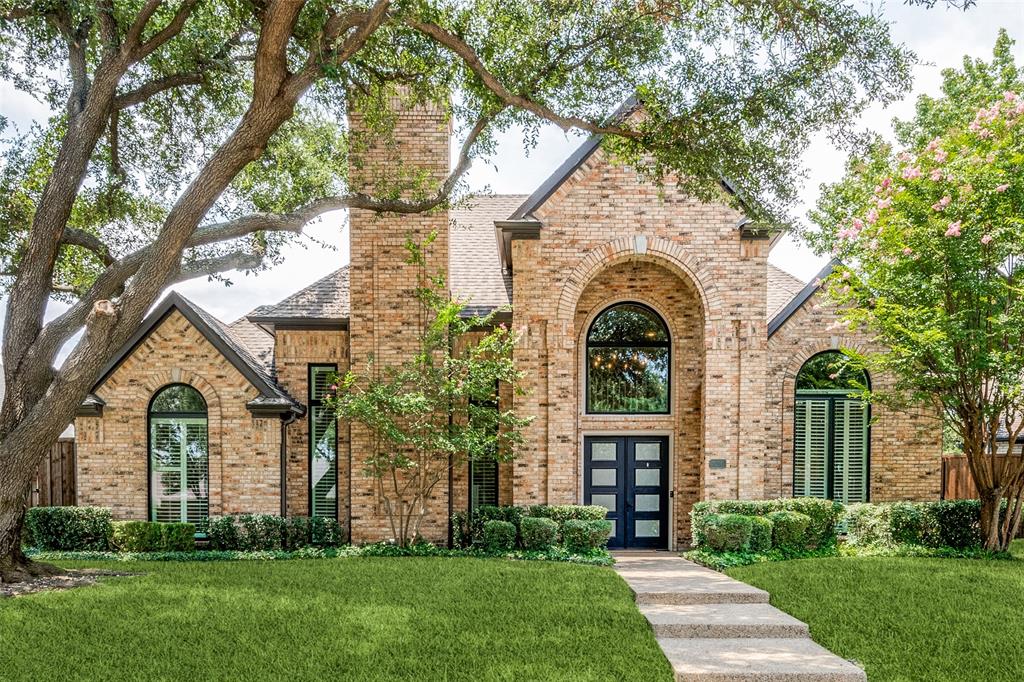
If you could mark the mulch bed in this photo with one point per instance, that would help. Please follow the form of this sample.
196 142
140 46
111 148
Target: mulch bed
69 579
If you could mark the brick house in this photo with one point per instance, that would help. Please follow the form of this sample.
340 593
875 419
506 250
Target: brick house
666 362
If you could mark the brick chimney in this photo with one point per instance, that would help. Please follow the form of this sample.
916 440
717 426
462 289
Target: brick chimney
385 319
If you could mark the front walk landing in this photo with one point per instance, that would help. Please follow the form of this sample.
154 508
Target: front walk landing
716 629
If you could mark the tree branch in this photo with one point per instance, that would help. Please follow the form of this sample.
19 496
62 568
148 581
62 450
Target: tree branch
75 237
140 51
236 260
468 55
155 87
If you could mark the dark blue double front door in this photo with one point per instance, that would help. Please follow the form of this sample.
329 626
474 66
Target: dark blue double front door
628 475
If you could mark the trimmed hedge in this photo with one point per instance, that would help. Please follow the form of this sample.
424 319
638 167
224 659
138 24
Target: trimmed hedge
789 530
580 535
267 532
760 533
150 536
499 536
69 528
560 513
727 532
467 528
824 515
946 523
538 533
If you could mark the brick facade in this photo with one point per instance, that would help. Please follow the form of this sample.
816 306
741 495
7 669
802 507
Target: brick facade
607 235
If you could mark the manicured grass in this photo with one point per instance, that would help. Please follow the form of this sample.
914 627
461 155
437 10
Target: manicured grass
908 619
365 619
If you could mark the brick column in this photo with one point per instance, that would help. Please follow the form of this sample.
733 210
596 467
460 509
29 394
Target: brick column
385 319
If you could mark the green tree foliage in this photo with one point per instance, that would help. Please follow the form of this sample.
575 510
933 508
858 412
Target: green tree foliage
437 411
932 245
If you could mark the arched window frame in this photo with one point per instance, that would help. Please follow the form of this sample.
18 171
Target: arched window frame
588 344
180 417
832 396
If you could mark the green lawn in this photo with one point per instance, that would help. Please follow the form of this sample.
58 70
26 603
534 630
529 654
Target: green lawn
908 619
366 619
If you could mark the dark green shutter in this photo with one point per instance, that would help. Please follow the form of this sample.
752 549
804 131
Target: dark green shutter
850 464
323 445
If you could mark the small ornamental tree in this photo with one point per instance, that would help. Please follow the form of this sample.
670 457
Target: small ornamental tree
931 243
438 410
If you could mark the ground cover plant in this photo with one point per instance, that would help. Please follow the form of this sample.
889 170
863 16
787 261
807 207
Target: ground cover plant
904 618
365 618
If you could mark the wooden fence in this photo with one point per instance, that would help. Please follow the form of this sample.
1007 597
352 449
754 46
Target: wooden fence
957 483
54 484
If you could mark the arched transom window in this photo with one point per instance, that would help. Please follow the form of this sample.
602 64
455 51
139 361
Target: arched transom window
831 430
628 354
179 466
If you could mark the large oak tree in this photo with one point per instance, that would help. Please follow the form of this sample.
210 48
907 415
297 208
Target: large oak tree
193 137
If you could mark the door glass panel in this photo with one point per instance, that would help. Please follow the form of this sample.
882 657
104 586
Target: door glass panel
648 451
611 533
648 503
602 476
603 452
648 529
648 476
606 501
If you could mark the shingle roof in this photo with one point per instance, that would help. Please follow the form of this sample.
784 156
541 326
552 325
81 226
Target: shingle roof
779 319
782 288
254 337
325 299
252 363
475 272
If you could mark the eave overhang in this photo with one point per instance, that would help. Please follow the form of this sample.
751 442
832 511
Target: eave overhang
507 231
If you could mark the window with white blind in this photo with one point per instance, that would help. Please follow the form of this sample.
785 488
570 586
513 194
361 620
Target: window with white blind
323 444
831 441
179 466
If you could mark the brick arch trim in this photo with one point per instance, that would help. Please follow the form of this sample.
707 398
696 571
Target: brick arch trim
158 380
639 247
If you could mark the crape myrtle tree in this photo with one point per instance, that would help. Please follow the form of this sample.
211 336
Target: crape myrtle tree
931 241
439 409
191 138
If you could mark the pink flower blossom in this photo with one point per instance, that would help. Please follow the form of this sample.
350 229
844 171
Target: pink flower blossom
941 203
873 245
1019 109
954 229
886 183
878 189
933 145
1010 96
941 155
986 240
990 158
907 251
846 275
885 203
334 387
974 126
985 134
858 224
848 233
911 173
967 189
904 157
872 216
1002 188
936 175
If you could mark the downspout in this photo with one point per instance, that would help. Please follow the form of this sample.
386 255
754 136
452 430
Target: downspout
285 421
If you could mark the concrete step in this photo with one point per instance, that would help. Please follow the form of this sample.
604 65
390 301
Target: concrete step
756 660
722 620
663 580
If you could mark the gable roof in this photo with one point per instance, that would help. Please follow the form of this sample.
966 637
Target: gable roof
809 290
272 399
782 288
325 300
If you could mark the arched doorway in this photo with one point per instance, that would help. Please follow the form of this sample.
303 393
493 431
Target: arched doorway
831 431
179 461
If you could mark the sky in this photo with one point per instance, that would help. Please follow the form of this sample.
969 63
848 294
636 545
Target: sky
939 36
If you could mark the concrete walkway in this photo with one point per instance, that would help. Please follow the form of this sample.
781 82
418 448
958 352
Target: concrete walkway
716 629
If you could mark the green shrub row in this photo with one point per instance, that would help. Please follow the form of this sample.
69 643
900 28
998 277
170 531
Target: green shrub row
267 532
532 527
149 536
69 528
823 517
946 523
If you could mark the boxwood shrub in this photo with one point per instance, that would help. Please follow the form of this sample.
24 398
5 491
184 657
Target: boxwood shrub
789 530
560 513
150 536
943 523
69 528
579 535
499 536
728 532
467 527
760 533
538 533
824 515
267 532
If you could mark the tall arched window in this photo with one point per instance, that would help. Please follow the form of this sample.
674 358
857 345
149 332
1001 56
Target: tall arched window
179 468
628 353
831 430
